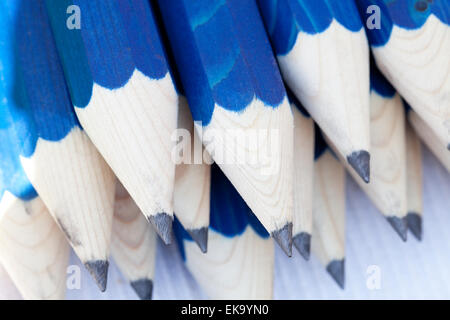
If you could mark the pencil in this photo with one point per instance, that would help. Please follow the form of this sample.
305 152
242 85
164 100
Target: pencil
133 244
414 182
238 101
323 55
430 138
67 171
33 251
387 188
303 178
411 43
123 95
328 240
192 181
240 259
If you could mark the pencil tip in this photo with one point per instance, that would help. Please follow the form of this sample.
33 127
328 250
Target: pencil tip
415 224
200 236
399 225
360 161
283 237
99 271
336 269
302 242
143 288
162 222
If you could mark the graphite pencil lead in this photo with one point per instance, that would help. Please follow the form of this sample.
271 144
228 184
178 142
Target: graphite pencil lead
336 269
360 161
414 221
162 222
283 237
99 271
400 226
143 288
302 242
200 236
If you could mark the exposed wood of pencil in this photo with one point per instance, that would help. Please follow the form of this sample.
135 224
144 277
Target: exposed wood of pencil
328 239
239 267
387 188
414 182
416 62
247 122
431 140
133 244
33 251
192 181
329 73
129 113
77 186
303 181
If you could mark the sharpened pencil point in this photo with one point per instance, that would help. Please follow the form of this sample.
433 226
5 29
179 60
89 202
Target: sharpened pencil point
336 269
302 242
200 236
360 161
99 271
143 288
283 237
400 225
162 223
415 224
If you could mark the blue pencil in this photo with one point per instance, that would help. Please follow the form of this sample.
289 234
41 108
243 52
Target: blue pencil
238 102
323 55
67 171
328 236
240 260
410 40
32 248
123 94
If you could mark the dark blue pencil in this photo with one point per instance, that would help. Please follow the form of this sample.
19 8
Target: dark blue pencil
238 101
67 171
410 40
123 94
323 55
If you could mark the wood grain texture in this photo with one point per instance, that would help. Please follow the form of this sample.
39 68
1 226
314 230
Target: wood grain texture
414 176
77 186
329 73
303 172
254 148
33 251
328 238
240 267
430 138
192 177
387 187
416 62
133 244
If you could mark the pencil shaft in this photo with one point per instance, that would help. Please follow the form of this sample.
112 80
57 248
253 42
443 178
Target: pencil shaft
235 91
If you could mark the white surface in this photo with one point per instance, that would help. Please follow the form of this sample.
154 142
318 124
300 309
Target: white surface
408 270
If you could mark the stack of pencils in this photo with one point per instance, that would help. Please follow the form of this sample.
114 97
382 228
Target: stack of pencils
221 124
